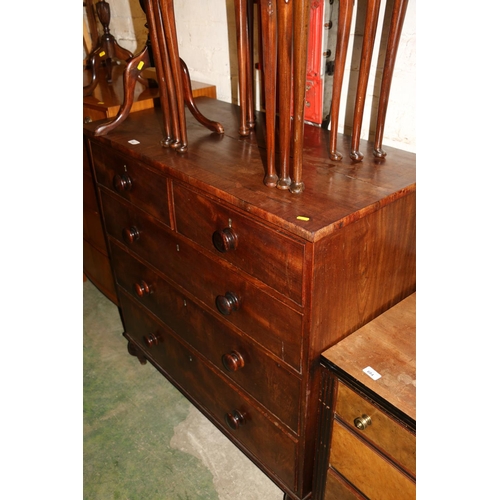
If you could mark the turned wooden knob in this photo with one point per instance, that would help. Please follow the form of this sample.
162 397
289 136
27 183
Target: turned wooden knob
130 234
228 303
233 361
225 240
142 289
235 419
152 339
122 182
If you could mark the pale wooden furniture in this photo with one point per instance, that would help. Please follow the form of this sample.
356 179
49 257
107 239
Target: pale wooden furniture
367 438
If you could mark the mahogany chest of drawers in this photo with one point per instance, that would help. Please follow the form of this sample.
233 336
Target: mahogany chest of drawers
231 289
367 432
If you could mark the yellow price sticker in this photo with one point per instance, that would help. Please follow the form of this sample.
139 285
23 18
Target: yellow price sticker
140 65
302 217
103 53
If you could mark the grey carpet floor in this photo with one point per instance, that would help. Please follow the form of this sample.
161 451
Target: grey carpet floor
143 440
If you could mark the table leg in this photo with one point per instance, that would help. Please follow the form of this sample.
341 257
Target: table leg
164 74
268 22
397 20
301 10
242 44
167 10
285 35
189 100
344 29
372 11
130 76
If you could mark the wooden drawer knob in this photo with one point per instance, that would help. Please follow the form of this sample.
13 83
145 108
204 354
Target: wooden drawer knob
233 361
235 419
142 289
225 240
122 183
152 339
362 422
228 303
130 234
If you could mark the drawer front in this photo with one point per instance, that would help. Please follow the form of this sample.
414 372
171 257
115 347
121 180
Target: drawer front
337 489
370 472
238 357
132 181
392 438
260 251
258 435
262 317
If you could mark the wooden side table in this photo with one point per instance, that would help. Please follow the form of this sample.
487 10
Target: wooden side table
104 103
367 440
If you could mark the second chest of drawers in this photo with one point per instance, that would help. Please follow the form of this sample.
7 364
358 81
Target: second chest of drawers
367 439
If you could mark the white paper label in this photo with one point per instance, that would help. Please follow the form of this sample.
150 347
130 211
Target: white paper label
372 373
134 142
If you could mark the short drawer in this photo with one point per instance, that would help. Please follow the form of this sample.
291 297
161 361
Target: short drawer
270 256
244 424
132 181
370 472
392 438
230 295
264 378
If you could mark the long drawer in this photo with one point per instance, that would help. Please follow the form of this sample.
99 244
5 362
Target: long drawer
262 376
260 251
256 434
230 295
133 181
393 439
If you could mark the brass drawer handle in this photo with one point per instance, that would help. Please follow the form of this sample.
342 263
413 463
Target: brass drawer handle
362 422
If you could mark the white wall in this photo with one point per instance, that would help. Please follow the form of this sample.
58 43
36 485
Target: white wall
207 43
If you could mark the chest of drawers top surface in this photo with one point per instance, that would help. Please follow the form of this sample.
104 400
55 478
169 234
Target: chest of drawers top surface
387 345
230 168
